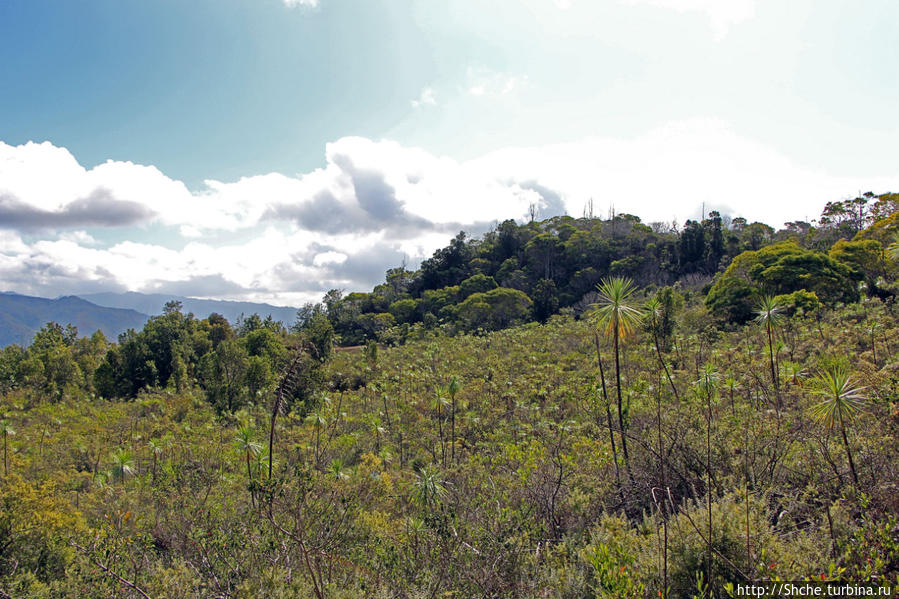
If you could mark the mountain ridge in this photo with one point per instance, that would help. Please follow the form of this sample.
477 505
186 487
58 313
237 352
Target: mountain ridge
152 303
21 316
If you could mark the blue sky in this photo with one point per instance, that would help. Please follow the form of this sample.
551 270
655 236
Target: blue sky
272 149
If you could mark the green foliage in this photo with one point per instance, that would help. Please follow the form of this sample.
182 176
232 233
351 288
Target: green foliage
223 373
864 258
35 525
614 311
779 269
405 310
167 494
478 283
843 399
495 309
798 302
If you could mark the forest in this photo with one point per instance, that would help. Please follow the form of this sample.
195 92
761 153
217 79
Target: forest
572 408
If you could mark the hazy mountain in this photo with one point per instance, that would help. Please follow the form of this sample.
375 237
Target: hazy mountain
21 316
201 308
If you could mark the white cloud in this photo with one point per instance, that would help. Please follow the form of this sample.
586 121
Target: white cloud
721 14
483 82
79 237
427 97
290 239
669 172
303 3
329 258
190 231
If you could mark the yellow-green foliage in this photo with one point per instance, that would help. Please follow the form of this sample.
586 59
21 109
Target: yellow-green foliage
367 501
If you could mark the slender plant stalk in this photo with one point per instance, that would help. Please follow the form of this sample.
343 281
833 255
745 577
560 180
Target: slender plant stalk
708 454
627 464
605 397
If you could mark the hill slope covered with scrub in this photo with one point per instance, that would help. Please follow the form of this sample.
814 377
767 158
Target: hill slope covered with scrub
520 273
649 444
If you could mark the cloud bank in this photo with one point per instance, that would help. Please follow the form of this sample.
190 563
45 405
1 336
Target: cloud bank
67 228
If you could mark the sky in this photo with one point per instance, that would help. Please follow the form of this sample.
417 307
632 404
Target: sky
271 150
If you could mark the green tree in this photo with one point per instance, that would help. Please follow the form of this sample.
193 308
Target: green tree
495 309
863 257
404 310
53 346
478 283
223 374
778 270
546 299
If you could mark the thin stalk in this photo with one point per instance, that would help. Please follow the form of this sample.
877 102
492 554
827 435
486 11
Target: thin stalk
627 465
605 397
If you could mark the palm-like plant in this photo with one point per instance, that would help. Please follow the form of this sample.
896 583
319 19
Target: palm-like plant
440 401
155 446
654 315
8 431
453 388
318 422
338 469
769 312
246 443
708 386
619 317
122 464
893 248
843 400
429 488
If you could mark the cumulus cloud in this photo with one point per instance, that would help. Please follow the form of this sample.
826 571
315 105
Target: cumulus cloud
99 209
370 186
288 239
44 186
671 171
427 97
303 3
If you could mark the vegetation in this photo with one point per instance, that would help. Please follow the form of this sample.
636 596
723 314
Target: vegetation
195 458
519 273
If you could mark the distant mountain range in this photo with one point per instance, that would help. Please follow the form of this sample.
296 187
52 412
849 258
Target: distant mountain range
201 308
21 316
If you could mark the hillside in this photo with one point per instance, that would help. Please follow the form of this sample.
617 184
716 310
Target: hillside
664 441
480 466
201 308
21 316
527 272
